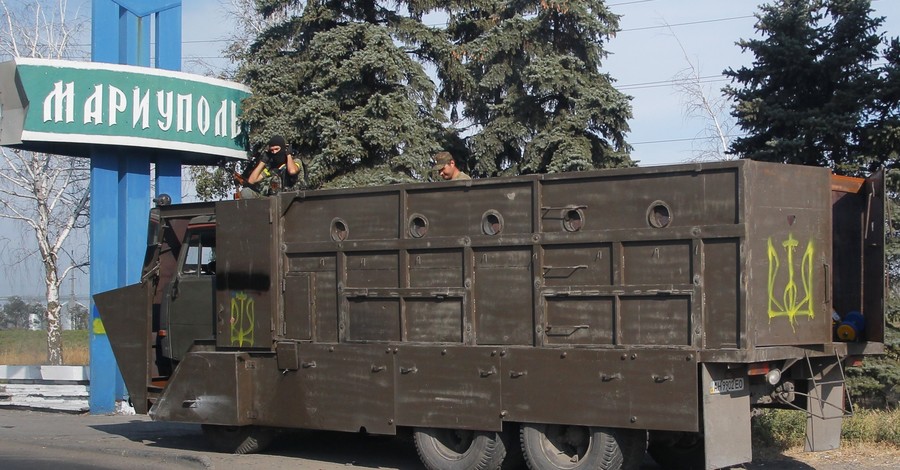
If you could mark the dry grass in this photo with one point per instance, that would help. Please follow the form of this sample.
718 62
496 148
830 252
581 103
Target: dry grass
20 347
786 429
849 455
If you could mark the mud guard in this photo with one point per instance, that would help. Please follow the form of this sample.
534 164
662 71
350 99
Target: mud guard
125 313
825 407
726 415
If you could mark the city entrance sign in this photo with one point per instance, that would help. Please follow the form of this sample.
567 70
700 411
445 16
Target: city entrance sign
66 107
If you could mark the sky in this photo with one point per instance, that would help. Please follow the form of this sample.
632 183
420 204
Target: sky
658 41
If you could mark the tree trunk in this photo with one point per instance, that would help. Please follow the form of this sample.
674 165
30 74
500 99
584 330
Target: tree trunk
54 328
47 193
54 331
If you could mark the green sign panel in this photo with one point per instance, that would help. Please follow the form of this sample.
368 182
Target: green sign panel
52 103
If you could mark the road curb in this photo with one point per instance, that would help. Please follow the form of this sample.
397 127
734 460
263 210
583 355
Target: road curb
201 461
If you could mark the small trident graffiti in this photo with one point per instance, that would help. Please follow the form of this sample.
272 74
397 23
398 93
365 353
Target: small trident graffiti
243 316
791 304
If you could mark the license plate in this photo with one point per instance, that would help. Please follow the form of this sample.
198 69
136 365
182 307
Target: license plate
726 386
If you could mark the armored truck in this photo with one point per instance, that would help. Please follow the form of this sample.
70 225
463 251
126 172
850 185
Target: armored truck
558 321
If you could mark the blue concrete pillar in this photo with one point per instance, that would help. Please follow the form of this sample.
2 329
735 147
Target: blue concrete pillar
120 179
168 177
135 50
168 38
105 377
104 31
134 209
168 56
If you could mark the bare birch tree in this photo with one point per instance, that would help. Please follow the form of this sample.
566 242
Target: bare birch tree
249 23
47 194
702 101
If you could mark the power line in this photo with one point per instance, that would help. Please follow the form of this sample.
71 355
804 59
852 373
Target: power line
663 83
688 23
628 3
640 28
687 139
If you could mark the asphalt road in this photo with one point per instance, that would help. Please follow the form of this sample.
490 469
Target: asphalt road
31 440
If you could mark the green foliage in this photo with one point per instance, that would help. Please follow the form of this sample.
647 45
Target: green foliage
784 429
342 84
892 246
534 90
216 183
781 429
876 383
17 314
79 316
882 135
824 89
872 426
814 94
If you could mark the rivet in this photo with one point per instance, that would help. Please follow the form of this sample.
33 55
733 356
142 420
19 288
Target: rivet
634 419
563 355
443 352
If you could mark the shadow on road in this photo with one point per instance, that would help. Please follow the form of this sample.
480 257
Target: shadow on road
159 434
359 450
348 449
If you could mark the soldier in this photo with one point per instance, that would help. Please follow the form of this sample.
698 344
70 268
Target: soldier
275 171
445 165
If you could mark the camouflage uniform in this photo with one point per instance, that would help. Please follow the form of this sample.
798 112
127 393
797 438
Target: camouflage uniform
275 180
274 177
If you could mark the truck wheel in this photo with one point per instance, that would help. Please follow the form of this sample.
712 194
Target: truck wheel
456 449
557 447
238 439
677 450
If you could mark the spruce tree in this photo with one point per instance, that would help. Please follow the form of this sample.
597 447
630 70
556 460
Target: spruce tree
535 95
812 87
882 132
345 83
342 84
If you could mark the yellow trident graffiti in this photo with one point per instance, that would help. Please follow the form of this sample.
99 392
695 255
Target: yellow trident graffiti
243 316
791 304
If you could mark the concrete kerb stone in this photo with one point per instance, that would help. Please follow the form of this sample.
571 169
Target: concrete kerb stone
44 387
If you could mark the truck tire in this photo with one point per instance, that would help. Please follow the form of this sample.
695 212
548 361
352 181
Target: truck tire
515 459
677 450
456 449
238 439
562 447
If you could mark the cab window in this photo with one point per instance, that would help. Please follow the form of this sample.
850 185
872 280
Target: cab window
200 258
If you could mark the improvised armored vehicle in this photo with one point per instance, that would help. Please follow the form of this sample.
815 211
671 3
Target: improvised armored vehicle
581 318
